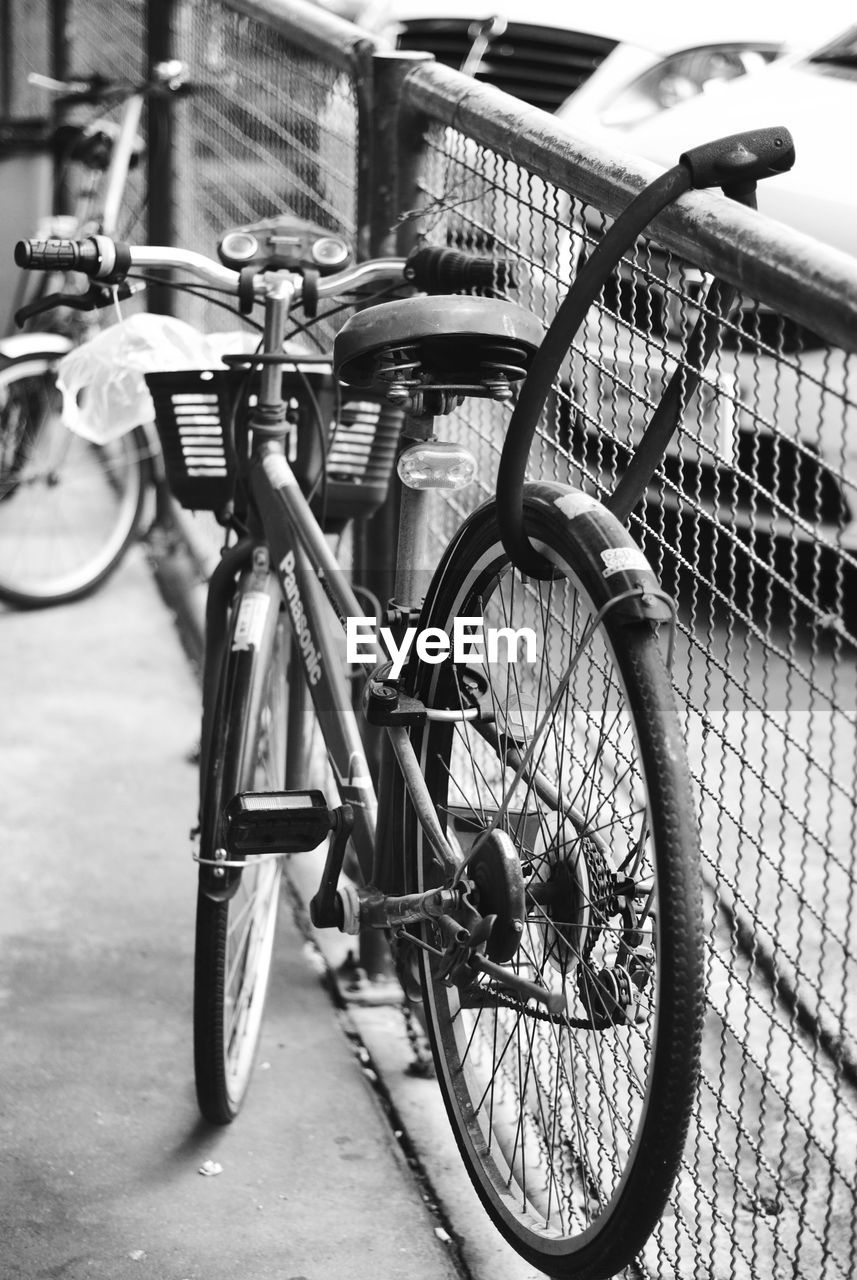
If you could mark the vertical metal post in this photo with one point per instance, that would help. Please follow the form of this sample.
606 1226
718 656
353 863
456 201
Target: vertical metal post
160 149
395 149
60 69
6 58
392 141
59 39
387 182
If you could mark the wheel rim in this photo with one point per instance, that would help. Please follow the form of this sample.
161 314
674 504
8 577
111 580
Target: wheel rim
251 913
251 926
67 506
551 1108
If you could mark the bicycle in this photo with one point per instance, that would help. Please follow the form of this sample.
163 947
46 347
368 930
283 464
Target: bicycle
70 507
532 848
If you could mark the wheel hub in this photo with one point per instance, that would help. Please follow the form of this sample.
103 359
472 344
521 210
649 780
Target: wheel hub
494 870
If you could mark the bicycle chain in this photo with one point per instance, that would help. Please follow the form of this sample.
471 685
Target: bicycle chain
505 1001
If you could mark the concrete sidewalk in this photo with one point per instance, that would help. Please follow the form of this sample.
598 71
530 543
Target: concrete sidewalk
100 1141
100 1144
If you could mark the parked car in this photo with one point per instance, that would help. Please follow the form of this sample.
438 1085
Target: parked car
815 95
618 61
801 446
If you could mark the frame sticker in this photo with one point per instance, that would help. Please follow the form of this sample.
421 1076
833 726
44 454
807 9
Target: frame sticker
624 560
250 623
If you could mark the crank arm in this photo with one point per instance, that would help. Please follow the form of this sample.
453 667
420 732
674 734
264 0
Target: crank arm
383 911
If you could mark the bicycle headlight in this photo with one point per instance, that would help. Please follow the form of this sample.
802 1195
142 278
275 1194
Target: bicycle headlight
436 465
680 77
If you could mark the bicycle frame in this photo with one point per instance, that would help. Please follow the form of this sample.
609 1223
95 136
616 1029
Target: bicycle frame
120 164
287 545
302 562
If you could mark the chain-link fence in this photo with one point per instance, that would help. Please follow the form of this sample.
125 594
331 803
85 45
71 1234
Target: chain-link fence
748 523
26 44
751 522
269 127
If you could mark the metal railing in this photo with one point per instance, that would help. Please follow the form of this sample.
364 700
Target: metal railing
752 524
748 524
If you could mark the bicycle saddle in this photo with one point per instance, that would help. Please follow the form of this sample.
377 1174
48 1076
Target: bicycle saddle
427 353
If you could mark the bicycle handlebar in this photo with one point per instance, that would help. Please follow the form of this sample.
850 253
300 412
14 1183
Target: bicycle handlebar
107 260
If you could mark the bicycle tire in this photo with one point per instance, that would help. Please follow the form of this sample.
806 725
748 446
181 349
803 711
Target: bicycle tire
68 508
571 1126
235 935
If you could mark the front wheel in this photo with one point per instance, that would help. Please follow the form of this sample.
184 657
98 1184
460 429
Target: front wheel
571 1124
68 507
235 933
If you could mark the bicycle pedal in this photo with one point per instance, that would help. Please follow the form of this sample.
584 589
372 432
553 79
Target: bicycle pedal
276 822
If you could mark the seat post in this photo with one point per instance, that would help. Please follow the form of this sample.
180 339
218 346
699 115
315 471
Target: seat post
413 569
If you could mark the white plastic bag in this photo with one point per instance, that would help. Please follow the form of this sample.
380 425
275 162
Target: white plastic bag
102 381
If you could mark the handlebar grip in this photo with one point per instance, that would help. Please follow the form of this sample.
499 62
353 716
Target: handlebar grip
98 257
58 255
740 158
437 270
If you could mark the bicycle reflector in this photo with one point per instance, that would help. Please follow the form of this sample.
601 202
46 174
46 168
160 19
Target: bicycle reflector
436 465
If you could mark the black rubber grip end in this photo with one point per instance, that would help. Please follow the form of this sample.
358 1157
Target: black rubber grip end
438 270
740 158
58 255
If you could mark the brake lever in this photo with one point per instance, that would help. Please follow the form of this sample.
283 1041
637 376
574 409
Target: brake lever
95 297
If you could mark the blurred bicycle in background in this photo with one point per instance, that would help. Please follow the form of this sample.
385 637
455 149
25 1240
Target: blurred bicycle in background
70 505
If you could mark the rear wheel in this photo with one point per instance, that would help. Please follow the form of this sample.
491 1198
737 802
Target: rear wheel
68 507
235 935
571 1124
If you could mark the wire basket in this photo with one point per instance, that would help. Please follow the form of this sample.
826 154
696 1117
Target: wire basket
353 442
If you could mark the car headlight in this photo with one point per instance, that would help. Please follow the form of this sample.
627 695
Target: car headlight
680 77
